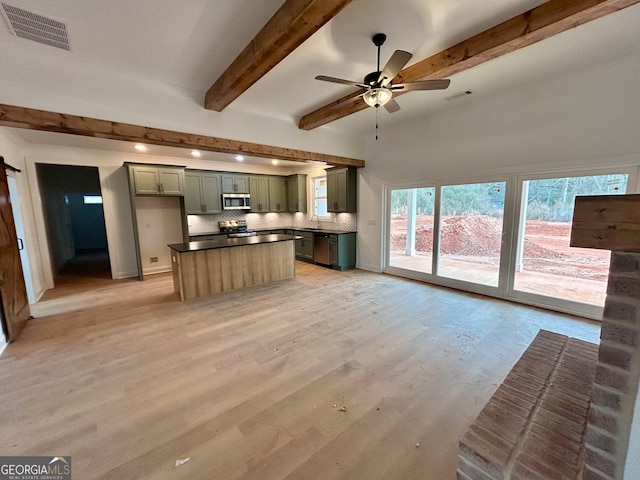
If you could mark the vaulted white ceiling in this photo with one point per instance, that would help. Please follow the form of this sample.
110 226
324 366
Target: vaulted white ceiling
149 62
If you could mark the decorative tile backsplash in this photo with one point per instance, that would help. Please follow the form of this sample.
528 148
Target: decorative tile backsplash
203 224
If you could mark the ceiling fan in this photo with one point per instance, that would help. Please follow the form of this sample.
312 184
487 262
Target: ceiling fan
378 84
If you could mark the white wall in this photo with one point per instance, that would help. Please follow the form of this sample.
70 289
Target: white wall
586 118
159 224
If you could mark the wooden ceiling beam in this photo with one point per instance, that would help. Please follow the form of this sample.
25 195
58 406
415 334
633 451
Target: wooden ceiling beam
29 118
291 25
547 20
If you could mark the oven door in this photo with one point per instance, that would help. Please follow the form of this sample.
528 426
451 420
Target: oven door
236 201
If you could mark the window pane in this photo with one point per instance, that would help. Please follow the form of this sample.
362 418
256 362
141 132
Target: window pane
471 232
412 229
545 263
321 186
321 207
92 199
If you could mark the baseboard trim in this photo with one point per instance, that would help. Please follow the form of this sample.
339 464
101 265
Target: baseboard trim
370 268
160 269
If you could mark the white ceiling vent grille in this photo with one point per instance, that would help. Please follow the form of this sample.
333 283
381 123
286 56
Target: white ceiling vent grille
36 27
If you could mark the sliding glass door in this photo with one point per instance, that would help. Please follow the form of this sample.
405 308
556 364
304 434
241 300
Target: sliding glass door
471 223
411 223
545 264
507 238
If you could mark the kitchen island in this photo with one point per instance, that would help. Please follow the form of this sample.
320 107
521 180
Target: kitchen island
213 266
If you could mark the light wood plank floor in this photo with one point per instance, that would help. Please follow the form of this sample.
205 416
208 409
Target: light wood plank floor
249 384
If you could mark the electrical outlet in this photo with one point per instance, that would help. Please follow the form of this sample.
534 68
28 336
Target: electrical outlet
153 260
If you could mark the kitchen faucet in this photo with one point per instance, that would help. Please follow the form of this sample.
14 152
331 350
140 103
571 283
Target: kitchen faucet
317 219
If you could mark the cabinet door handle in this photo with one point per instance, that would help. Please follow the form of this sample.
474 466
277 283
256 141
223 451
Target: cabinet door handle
162 188
158 187
205 207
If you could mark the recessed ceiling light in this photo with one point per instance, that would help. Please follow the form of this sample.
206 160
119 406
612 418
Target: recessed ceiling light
140 148
240 158
275 162
196 153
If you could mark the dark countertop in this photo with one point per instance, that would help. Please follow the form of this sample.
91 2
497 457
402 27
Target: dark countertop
224 242
300 229
320 230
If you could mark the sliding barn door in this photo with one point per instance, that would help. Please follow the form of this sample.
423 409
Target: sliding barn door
13 293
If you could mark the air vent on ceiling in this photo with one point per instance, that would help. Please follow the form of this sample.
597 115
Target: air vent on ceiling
455 96
36 27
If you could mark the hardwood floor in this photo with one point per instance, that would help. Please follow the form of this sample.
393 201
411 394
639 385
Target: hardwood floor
249 384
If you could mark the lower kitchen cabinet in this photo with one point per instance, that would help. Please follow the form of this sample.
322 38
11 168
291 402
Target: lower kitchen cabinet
342 248
304 246
342 251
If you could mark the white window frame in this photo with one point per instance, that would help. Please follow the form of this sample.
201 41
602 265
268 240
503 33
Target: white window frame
314 198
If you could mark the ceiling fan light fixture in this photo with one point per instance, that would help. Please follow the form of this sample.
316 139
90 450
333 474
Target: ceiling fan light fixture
377 97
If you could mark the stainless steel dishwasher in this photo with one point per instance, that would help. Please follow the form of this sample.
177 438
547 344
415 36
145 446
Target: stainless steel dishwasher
321 248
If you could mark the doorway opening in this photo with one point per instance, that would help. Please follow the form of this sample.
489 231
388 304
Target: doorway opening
74 222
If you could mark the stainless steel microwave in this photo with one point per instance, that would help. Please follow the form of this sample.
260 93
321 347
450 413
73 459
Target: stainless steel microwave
236 201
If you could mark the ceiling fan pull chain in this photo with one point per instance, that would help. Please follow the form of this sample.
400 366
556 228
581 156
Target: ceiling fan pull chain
376 123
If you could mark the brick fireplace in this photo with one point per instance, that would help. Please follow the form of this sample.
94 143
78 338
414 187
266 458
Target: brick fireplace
566 409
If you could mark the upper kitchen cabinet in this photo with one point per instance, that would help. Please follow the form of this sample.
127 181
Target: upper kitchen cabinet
342 190
259 190
297 193
233 183
202 192
277 194
154 180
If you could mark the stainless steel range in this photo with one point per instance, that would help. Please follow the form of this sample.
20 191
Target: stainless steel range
235 228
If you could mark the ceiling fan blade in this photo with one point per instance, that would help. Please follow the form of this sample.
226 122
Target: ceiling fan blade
421 85
398 60
392 106
325 78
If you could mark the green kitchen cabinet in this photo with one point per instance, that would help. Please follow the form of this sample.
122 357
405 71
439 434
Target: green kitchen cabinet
202 192
277 194
234 183
297 193
342 190
259 189
342 251
304 246
157 180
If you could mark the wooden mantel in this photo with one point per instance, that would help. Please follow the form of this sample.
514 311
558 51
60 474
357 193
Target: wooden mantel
608 222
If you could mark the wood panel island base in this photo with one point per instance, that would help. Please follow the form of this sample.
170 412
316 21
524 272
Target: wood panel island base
206 268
